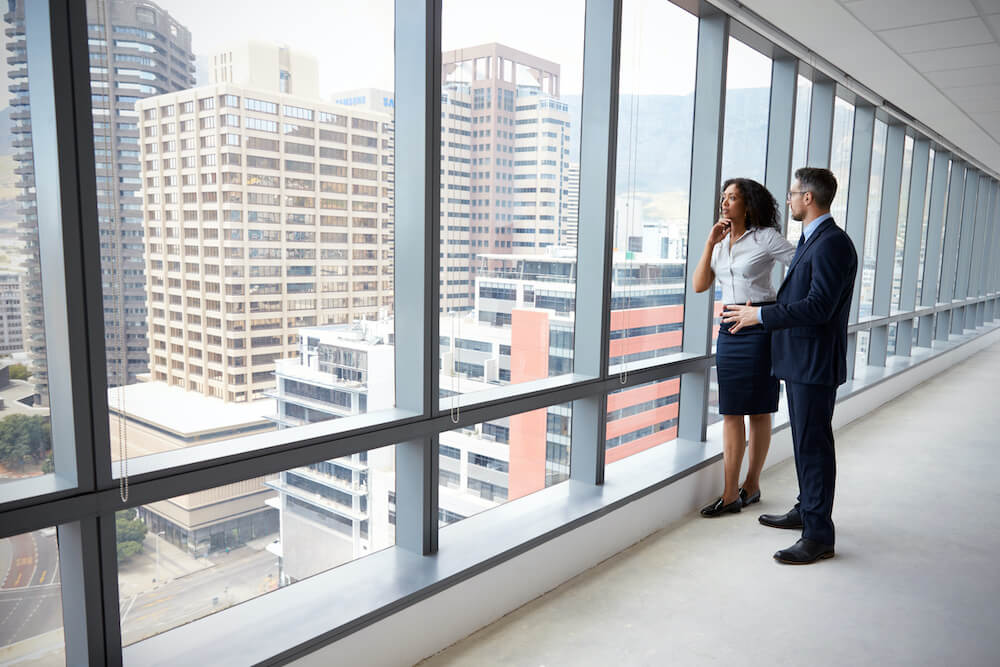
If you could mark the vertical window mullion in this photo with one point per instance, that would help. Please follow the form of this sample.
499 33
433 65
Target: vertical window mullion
911 244
598 147
885 252
974 312
857 207
62 143
953 228
820 124
932 249
780 132
706 166
967 237
417 271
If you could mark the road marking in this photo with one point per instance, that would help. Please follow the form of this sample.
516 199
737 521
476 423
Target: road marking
129 608
16 602
156 602
18 580
34 545
41 579
51 584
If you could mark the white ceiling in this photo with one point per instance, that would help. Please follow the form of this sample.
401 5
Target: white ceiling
937 60
955 44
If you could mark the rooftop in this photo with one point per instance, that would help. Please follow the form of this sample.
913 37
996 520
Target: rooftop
186 413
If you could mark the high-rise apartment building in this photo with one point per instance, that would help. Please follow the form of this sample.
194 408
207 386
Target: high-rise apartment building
33 325
136 50
11 332
505 149
265 212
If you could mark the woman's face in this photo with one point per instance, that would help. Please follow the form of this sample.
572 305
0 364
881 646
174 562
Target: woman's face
733 206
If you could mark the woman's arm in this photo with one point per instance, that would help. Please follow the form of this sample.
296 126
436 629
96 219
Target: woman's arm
704 276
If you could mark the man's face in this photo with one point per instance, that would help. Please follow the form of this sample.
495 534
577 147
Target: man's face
796 207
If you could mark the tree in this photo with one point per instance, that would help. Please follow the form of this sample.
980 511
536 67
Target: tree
24 440
18 372
130 532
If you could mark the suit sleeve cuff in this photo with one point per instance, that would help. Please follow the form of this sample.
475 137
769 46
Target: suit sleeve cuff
760 315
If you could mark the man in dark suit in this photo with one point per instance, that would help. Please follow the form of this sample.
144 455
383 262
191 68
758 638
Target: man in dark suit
809 352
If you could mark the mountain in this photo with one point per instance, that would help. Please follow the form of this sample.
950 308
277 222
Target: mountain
660 154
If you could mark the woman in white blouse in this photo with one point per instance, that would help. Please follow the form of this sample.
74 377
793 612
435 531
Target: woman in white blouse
740 252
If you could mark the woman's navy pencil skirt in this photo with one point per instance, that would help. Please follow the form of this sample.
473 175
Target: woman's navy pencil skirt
743 367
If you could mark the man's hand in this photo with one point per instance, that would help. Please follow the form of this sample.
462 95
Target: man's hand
740 316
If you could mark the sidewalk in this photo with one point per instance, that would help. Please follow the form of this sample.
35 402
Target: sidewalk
46 650
140 575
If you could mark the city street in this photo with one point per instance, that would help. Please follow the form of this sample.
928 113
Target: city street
30 602
29 596
237 576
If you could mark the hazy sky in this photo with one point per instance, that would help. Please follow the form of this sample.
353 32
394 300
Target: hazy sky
353 41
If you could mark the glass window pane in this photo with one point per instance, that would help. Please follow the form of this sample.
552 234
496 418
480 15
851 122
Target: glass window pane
800 144
25 439
748 98
190 556
840 157
944 227
509 189
861 357
487 464
655 116
31 625
245 194
641 417
872 224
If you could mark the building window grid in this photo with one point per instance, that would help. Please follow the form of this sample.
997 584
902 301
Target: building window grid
235 104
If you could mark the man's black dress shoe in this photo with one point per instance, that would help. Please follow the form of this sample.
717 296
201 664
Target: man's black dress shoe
718 508
790 519
749 500
803 552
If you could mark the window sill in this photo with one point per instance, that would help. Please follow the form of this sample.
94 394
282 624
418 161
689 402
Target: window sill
334 604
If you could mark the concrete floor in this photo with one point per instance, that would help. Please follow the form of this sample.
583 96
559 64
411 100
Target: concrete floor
916 578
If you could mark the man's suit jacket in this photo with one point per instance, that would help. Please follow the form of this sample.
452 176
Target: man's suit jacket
809 320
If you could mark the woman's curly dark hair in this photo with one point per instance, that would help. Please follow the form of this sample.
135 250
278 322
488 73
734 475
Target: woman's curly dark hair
762 208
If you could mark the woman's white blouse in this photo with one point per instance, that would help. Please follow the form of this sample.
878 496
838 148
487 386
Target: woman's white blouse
744 271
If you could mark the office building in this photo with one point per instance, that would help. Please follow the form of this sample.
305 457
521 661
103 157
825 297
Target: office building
11 333
505 161
152 418
265 212
570 207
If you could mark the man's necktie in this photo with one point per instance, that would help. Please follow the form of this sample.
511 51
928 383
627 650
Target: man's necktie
798 249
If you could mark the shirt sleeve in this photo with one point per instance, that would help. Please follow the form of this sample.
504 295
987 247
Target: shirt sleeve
715 258
779 247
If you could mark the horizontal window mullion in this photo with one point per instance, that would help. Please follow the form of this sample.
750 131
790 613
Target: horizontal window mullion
164 483
868 323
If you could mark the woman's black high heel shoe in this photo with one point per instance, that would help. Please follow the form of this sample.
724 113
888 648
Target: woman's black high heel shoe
719 508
